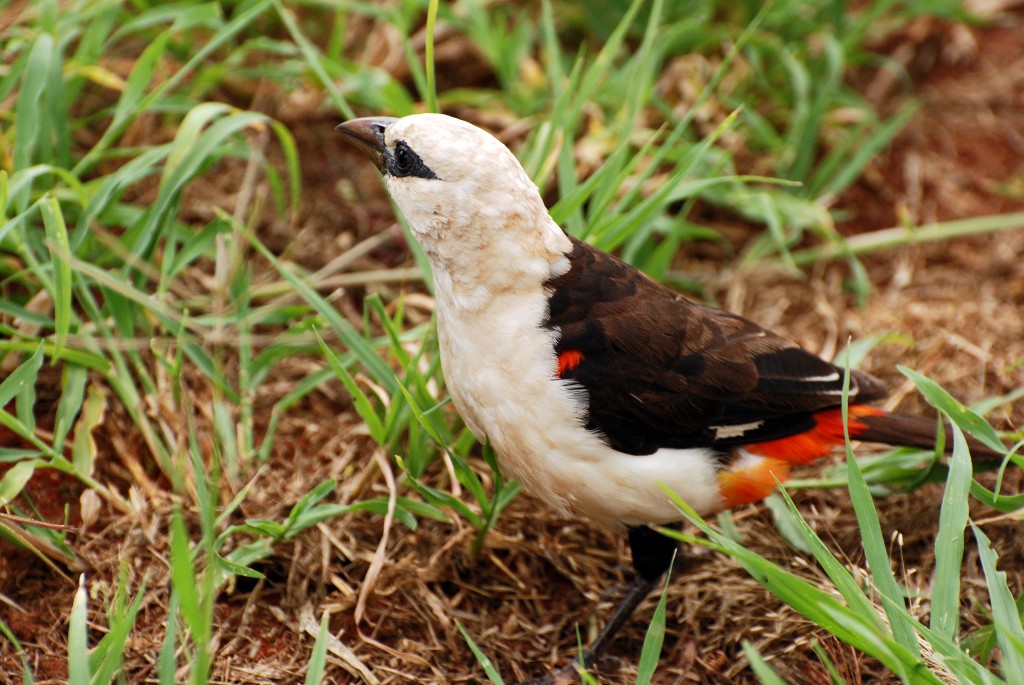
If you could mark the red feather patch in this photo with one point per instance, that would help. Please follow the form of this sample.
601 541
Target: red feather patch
803 448
755 482
752 483
568 360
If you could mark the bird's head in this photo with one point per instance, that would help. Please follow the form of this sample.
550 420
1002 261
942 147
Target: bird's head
463 192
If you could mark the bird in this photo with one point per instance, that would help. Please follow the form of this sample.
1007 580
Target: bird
597 387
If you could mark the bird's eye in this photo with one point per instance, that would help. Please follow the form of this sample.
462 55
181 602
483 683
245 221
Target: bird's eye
405 160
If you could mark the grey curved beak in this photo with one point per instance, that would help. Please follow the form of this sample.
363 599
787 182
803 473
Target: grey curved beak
368 135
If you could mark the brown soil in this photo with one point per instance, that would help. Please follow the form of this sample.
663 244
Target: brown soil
539 579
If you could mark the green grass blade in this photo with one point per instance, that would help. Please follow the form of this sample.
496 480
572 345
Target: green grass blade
131 101
31 129
198 58
442 499
1005 617
866 148
360 401
15 479
318 658
650 654
429 423
352 338
4 196
874 544
57 234
901 236
23 180
549 32
108 656
183 575
843 580
566 112
827 662
190 153
6 632
466 476
957 412
760 667
290 150
998 500
949 541
785 517
166 665
643 69
183 17
71 398
78 637
482 659
113 185
84 447
816 605
313 57
22 377
958 662
428 56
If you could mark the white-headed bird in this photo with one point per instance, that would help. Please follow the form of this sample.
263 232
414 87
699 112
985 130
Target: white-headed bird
596 386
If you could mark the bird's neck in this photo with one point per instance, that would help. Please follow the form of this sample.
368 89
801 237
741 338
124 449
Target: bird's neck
473 271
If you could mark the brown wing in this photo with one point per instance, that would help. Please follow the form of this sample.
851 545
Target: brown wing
661 371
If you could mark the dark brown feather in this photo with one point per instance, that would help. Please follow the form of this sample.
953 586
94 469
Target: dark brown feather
661 371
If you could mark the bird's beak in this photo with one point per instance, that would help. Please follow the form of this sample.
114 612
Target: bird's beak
368 135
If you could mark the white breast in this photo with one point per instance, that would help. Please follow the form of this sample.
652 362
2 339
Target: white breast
500 368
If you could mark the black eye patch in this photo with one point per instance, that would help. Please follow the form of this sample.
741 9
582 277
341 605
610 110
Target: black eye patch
402 161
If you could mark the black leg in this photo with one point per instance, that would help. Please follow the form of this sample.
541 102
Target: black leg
652 557
652 552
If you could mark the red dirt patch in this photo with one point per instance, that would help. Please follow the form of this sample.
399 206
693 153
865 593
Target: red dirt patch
961 154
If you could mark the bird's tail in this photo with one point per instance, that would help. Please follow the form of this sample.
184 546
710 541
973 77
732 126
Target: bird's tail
867 424
744 483
910 431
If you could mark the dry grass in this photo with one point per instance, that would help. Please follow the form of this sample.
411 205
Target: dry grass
538 578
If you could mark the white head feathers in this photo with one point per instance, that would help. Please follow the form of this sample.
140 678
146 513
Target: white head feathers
467 199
